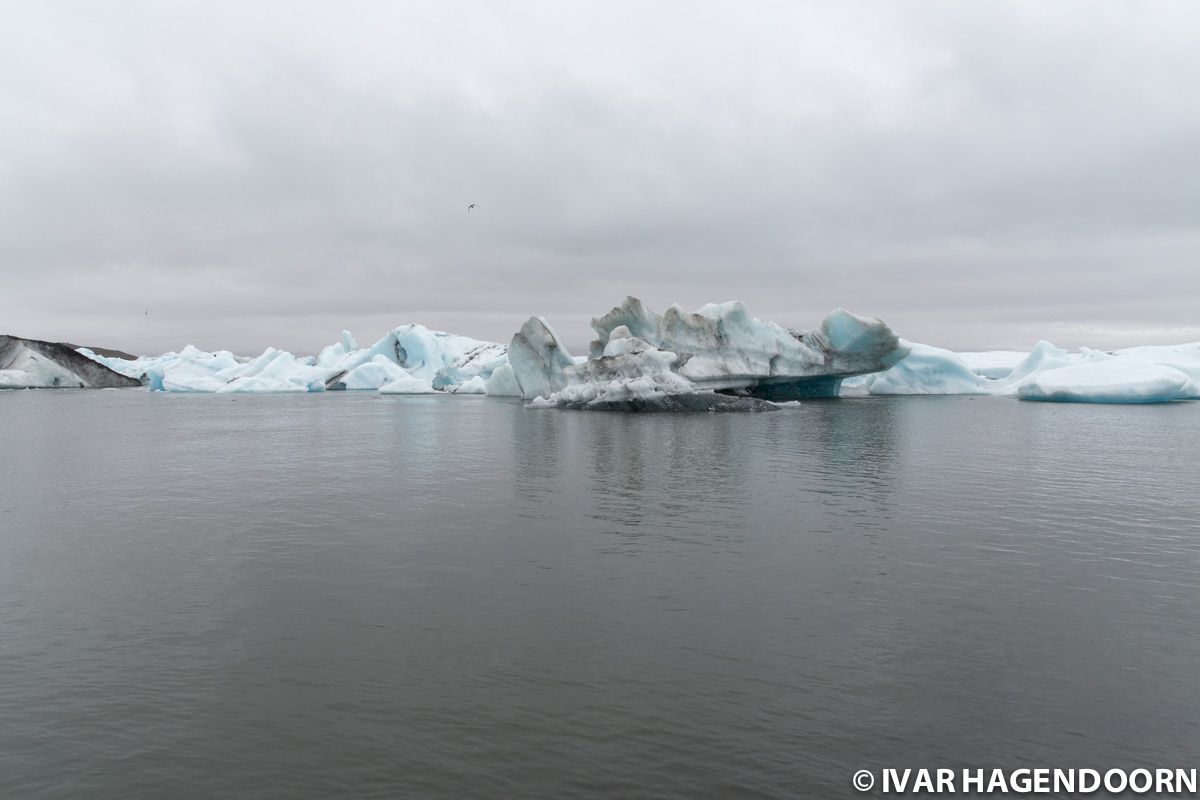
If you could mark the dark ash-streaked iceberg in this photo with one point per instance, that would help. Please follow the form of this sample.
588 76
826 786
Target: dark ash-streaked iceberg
720 353
34 364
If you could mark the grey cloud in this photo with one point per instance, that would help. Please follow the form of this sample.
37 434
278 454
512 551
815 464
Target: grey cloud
978 174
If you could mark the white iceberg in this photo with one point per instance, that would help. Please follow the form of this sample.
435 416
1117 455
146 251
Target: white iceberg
441 361
409 359
1132 375
1183 357
926 370
474 385
409 384
503 383
273 371
1110 380
374 374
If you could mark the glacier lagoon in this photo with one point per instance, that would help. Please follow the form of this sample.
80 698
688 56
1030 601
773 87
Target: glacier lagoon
443 596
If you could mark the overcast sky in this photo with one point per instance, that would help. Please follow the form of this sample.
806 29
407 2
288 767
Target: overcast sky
977 174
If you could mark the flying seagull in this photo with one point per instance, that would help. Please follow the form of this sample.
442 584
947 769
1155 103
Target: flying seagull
470 207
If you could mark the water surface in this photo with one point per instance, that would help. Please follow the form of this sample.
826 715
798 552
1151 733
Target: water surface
356 595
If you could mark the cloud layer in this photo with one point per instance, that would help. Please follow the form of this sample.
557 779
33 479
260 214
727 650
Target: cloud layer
977 174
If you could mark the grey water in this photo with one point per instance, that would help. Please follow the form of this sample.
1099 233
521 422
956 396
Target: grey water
351 595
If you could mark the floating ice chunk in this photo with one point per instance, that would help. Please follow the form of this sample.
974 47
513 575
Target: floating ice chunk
538 359
859 344
1112 380
410 352
643 387
641 394
262 384
191 370
1183 357
480 361
180 380
443 360
423 352
926 370
194 370
118 365
407 385
633 375
273 371
334 356
25 368
629 369
1044 356
503 383
374 374
932 370
34 364
475 385
35 371
640 355
725 347
1132 375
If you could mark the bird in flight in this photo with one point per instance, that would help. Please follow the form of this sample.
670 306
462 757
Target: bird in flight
470 207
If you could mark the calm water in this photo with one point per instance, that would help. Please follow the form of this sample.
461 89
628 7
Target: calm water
354 595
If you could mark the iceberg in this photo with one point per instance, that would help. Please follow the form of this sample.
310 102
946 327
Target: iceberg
926 370
1044 356
374 374
1151 374
34 364
1183 357
717 358
442 361
474 385
407 385
409 359
721 353
1111 380
273 371
503 382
